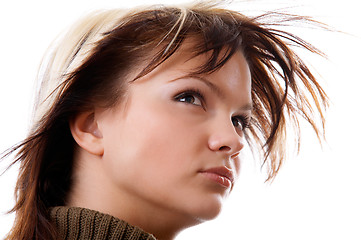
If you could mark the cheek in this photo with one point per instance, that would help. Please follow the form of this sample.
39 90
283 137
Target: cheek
156 144
154 136
165 136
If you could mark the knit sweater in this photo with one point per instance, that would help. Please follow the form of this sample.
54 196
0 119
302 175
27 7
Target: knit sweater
80 223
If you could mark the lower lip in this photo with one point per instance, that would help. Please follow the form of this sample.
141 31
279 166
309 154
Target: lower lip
223 181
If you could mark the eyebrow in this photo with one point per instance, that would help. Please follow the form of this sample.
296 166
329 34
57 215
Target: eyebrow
214 88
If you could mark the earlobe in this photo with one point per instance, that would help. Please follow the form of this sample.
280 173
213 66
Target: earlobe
86 133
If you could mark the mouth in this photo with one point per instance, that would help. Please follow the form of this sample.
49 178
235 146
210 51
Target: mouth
220 175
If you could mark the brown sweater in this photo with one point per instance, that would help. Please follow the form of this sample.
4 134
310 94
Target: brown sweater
80 223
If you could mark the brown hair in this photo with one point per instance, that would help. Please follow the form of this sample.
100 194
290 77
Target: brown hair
107 45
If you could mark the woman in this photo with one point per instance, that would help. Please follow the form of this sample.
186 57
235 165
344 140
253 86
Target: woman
142 116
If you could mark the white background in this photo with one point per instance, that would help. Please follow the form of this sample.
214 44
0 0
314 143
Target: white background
315 196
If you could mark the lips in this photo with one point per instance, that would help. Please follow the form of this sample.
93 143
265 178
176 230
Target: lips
221 175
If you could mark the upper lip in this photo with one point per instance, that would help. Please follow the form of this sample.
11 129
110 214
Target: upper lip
222 171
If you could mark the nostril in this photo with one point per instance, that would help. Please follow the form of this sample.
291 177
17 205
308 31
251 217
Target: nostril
224 148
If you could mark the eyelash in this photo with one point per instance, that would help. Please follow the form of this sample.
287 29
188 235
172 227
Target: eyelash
244 120
193 93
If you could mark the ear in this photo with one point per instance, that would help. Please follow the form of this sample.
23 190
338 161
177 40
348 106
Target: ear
86 133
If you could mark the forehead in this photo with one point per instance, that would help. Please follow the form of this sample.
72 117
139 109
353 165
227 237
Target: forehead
188 60
232 79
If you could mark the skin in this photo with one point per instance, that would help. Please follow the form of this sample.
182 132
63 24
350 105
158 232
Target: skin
142 160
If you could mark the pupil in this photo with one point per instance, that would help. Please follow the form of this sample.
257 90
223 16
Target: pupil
235 122
189 99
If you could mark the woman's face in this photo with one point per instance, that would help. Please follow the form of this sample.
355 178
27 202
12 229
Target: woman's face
172 145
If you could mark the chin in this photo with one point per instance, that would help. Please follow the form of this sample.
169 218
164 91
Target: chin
209 210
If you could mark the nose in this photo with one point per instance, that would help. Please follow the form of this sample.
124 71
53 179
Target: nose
225 139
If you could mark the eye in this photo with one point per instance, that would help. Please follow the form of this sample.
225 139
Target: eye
191 97
241 122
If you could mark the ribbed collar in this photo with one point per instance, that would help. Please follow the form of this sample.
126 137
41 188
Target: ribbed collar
81 223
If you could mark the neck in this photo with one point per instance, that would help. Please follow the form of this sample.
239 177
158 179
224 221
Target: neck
92 189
